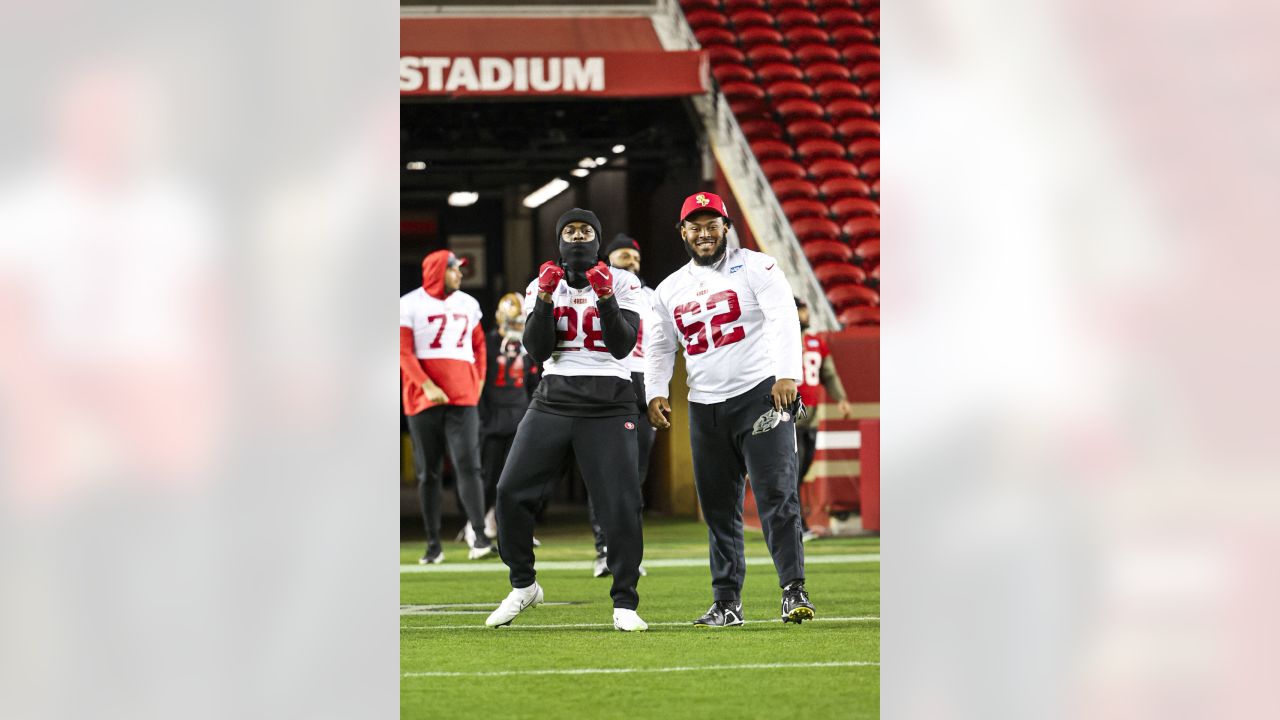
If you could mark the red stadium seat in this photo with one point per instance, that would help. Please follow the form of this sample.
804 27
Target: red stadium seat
806 34
771 150
864 148
873 17
819 250
870 168
776 72
860 228
749 109
782 170
791 110
816 53
788 89
842 187
691 5
860 52
796 209
751 18
815 229
834 89
761 130
789 4
732 72
852 33
829 168
868 251
854 207
872 90
857 127
714 36
752 36
865 71
812 150
819 71
874 275
839 17
843 296
793 18
843 109
742 91
875 188
733 6
809 129
765 54
821 5
833 274
706 18
725 53
795 190
860 315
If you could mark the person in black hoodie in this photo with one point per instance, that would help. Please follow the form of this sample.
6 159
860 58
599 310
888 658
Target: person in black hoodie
582 319
505 398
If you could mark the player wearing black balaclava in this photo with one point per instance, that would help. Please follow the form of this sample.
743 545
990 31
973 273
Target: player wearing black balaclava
582 320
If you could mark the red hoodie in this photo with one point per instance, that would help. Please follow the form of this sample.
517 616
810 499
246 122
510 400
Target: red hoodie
440 338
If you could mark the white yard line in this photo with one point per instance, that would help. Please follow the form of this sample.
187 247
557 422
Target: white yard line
610 671
497 566
517 626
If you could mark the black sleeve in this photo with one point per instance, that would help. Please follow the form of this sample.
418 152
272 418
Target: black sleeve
618 327
540 331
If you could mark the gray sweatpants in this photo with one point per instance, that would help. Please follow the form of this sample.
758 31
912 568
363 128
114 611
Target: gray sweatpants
728 439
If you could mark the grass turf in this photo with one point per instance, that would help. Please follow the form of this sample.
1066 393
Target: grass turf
433 642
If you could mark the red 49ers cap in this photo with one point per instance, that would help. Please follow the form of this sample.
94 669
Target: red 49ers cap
702 201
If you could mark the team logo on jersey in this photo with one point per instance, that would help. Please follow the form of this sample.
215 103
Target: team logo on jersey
702 200
734 269
629 425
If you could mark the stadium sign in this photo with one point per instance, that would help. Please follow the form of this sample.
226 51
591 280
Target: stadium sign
609 74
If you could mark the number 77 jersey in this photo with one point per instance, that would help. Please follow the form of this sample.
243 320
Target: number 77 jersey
736 321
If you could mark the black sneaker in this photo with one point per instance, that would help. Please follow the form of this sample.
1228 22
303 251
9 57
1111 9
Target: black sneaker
796 607
722 613
434 556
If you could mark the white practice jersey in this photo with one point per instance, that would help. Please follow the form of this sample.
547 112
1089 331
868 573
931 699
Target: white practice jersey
736 321
441 328
580 346
635 361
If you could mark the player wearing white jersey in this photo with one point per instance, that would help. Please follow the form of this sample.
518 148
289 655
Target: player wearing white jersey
732 312
442 368
582 321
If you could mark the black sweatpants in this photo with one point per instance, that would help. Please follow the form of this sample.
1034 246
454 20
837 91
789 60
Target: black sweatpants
458 429
644 447
806 443
725 445
606 454
493 456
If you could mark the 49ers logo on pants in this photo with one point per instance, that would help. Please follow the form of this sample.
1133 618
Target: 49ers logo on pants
629 425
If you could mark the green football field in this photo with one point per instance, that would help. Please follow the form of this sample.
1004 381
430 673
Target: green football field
563 659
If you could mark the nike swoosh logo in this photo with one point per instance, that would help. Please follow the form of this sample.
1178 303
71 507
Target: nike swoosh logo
769 268
635 287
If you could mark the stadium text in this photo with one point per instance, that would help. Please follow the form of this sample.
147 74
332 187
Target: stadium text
495 74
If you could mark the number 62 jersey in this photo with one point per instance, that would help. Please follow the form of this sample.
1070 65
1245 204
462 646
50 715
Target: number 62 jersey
736 321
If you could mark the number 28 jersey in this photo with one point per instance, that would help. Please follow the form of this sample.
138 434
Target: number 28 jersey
580 348
736 321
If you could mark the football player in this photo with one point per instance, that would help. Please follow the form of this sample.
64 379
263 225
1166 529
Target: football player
819 370
581 321
732 313
442 355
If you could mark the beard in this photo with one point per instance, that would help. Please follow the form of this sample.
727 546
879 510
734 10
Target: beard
722 247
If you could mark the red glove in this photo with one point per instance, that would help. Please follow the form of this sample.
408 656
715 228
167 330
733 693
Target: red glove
601 280
549 276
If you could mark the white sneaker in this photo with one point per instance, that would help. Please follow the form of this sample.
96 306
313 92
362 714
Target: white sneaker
468 535
515 603
491 523
537 542
479 553
628 621
643 572
808 535
601 567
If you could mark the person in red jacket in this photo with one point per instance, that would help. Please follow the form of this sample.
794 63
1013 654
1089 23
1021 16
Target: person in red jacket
442 369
